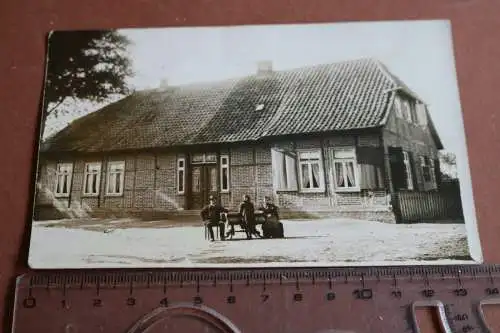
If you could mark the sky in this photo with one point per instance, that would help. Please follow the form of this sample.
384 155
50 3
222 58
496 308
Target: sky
419 52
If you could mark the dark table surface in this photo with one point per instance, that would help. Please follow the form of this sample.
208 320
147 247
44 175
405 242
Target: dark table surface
24 25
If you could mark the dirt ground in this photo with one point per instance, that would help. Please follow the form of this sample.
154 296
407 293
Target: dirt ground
132 243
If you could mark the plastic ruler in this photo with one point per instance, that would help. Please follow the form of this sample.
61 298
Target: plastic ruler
382 299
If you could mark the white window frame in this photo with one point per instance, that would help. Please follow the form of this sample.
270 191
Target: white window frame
408 167
398 107
301 152
433 172
60 172
181 168
291 175
204 159
423 165
122 178
421 111
224 166
86 173
407 111
344 161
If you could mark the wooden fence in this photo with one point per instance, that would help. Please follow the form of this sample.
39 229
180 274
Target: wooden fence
435 206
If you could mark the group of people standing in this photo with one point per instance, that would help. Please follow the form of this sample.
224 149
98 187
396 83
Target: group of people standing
213 211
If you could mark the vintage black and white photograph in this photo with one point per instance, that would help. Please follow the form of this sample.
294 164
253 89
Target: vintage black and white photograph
259 145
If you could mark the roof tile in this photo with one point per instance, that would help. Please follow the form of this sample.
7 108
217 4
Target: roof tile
339 96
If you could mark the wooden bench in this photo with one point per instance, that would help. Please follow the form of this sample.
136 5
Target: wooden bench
234 219
234 223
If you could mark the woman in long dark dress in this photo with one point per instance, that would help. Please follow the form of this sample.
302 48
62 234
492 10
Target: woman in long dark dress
272 228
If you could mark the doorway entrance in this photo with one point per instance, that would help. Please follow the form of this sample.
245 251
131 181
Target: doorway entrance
203 179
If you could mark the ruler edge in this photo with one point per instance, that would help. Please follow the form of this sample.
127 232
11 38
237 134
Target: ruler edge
269 272
19 279
489 268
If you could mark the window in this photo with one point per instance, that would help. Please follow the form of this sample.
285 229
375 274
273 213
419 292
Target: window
424 163
197 158
196 180
346 169
181 175
421 114
92 178
408 170
432 171
407 111
116 173
63 179
398 107
203 158
311 171
224 173
284 165
213 179
210 158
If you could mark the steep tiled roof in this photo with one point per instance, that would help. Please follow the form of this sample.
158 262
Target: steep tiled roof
339 96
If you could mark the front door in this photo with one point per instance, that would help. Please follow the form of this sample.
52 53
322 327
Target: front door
204 184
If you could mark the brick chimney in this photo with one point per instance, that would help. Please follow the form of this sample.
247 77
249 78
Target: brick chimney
264 67
164 84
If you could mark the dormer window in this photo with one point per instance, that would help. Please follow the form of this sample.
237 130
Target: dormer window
398 107
421 114
407 111
259 107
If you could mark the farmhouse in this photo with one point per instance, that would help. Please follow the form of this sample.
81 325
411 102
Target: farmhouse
339 138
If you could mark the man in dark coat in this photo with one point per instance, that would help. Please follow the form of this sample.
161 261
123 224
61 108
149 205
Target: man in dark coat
211 215
247 212
272 227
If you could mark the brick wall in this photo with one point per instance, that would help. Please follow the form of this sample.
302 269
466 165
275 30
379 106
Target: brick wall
250 173
166 196
145 178
149 184
329 200
264 174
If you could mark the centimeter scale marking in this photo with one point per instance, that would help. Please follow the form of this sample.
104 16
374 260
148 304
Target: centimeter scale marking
374 299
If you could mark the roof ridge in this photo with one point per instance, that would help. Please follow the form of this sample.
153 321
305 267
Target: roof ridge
386 72
399 84
210 83
316 98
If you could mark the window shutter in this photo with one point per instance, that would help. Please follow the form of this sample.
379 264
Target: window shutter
405 174
368 176
284 170
426 169
364 176
437 171
291 169
277 163
370 155
413 170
